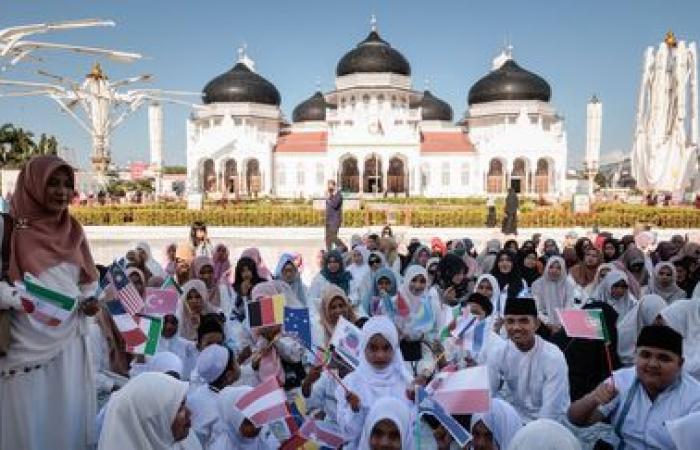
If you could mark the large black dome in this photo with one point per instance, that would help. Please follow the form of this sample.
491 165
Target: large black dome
313 108
373 55
240 85
510 82
433 108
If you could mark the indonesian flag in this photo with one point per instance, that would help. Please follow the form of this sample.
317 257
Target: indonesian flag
265 403
583 323
321 433
465 391
43 304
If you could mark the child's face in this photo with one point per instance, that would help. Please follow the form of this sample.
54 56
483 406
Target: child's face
248 430
385 436
169 328
336 308
417 285
383 284
195 302
379 352
206 274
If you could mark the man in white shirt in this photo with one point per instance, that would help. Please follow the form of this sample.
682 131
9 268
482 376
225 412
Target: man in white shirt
640 400
532 371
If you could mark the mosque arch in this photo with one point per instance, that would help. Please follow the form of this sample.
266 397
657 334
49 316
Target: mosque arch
519 175
373 180
543 176
253 179
349 175
397 175
230 176
208 178
495 178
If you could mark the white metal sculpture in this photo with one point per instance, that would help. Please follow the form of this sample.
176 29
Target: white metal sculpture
664 152
14 48
594 121
104 106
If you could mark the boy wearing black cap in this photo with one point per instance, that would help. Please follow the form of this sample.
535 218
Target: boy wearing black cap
644 397
533 370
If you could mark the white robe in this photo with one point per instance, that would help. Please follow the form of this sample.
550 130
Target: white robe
684 317
202 403
537 381
52 406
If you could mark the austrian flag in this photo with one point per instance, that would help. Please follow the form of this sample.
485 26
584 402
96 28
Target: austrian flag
265 403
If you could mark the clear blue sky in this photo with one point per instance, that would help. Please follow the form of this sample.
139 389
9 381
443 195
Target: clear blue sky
580 47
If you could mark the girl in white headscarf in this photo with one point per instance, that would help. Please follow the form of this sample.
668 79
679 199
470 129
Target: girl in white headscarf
234 431
148 413
358 266
684 317
600 273
663 283
385 414
544 434
151 264
380 373
192 305
614 290
502 422
553 290
642 314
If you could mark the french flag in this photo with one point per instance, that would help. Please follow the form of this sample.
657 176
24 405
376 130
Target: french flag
264 404
465 391
127 326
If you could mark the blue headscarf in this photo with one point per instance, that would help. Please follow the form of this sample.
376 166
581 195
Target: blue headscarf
373 293
342 277
296 285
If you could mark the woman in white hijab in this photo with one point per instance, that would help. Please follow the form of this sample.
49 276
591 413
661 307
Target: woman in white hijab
614 290
148 413
233 430
502 422
684 317
642 314
378 432
151 264
381 373
663 283
553 290
544 434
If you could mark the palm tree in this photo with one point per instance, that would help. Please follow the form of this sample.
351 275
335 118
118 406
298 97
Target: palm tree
17 145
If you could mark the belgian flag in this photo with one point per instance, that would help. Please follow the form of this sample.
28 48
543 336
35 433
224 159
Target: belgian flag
266 312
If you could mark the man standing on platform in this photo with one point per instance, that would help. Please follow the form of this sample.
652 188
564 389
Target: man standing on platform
334 216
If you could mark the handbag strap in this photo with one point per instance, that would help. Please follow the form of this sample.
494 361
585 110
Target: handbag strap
631 393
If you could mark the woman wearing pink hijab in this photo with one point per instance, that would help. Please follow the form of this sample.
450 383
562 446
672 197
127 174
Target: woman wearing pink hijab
254 254
46 381
222 265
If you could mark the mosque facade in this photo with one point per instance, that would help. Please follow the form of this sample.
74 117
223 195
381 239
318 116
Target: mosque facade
376 135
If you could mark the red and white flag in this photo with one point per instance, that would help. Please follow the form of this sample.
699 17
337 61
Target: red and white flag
265 403
160 301
321 434
465 391
583 323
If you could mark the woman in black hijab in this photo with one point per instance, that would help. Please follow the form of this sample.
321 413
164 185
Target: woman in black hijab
528 265
611 250
506 272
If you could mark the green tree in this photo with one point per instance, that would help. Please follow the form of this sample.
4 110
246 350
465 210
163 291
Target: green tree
600 180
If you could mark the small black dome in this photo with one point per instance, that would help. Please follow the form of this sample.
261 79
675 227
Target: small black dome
433 108
510 82
373 55
240 85
313 108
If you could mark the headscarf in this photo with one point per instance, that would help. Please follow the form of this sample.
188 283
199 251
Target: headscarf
570 257
41 238
169 264
665 250
296 285
342 277
621 305
487 258
529 274
151 264
222 265
642 314
437 245
328 293
615 244
392 253
200 262
164 362
230 420
633 256
449 266
416 254
544 434
512 280
254 254
374 301
140 415
635 287
597 279
502 420
670 293
394 410
188 323
584 275
421 318
550 294
495 289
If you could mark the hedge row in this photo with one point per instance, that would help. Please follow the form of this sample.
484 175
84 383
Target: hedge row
303 215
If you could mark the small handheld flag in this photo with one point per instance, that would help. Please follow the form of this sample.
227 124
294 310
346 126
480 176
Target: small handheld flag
160 302
151 326
297 322
43 304
426 405
266 312
346 341
126 291
264 404
126 324
321 433
583 323
465 391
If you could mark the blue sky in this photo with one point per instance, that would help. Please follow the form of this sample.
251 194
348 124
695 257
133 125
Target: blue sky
580 47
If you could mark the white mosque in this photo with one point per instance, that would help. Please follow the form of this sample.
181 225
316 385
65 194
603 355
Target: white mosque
376 135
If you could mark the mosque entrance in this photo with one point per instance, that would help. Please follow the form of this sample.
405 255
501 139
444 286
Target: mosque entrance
373 182
349 176
253 180
515 184
396 177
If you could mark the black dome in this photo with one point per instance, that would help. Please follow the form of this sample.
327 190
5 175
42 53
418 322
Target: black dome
510 82
240 85
373 55
313 108
433 108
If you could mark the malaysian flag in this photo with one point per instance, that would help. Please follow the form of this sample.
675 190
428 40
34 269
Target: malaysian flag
126 292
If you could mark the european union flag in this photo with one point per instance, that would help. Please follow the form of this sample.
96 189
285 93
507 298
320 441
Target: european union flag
296 321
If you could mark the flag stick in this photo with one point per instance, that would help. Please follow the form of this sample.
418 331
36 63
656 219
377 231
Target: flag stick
609 359
324 365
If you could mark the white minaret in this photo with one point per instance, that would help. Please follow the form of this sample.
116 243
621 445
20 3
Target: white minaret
594 124
155 134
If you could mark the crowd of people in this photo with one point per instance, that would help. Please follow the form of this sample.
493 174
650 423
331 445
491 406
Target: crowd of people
75 386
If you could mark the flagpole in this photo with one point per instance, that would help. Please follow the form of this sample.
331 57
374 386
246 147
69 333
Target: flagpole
610 366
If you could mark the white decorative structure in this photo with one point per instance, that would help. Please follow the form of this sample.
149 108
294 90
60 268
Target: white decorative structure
664 152
594 124
155 134
375 134
14 48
